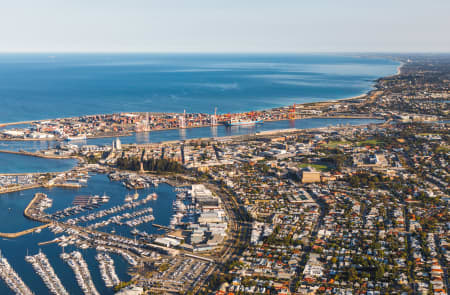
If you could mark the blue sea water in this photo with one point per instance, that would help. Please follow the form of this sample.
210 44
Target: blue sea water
10 163
41 86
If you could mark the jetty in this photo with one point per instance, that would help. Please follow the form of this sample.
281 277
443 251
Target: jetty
162 226
28 215
36 154
24 232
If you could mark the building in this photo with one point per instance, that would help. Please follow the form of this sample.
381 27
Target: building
310 175
117 145
131 290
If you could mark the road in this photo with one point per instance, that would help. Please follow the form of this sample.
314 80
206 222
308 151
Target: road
239 234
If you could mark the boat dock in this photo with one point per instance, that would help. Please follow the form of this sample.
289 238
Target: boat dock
27 214
162 226
24 232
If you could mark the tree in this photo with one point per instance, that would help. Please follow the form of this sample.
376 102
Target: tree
352 274
379 273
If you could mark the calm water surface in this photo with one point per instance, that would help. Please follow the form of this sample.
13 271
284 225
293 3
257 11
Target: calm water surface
11 163
43 86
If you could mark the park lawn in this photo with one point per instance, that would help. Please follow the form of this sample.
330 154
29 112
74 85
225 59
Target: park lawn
334 144
368 142
426 134
318 167
444 149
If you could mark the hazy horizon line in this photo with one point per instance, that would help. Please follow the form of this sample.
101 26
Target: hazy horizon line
224 52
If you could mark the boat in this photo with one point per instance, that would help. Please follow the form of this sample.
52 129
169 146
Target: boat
105 198
64 255
75 138
136 195
152 196
84 246
239 122
128 198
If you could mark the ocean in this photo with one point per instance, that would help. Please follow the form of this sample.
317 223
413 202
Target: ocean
11 163
42 86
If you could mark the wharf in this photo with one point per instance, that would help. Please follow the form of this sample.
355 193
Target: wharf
34 200
18 123
162 226
17 188
22 233
63 185
37 155
48 242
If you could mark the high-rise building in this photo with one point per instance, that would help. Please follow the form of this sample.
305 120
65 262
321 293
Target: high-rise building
116 144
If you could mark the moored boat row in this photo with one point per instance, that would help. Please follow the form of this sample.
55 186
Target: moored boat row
106 265
112 210
12 279
78 264
117 219
44 269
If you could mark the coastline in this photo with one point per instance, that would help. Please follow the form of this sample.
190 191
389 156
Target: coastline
348 98
125 134
38 155
399 68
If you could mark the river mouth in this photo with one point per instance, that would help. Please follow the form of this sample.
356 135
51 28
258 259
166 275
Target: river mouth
192 133
22 164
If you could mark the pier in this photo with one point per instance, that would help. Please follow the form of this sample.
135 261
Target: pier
24 232
38 155
28 215
63 185
162 226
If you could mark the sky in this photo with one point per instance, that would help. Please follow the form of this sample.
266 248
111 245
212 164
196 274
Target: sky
224 26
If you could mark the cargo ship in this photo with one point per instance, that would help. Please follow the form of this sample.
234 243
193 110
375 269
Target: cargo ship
75 138
234 122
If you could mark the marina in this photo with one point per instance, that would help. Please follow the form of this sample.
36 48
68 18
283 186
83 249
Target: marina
97 185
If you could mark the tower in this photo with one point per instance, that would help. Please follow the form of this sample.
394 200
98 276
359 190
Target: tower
292 112
182 120
214 118
117 144
147 122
